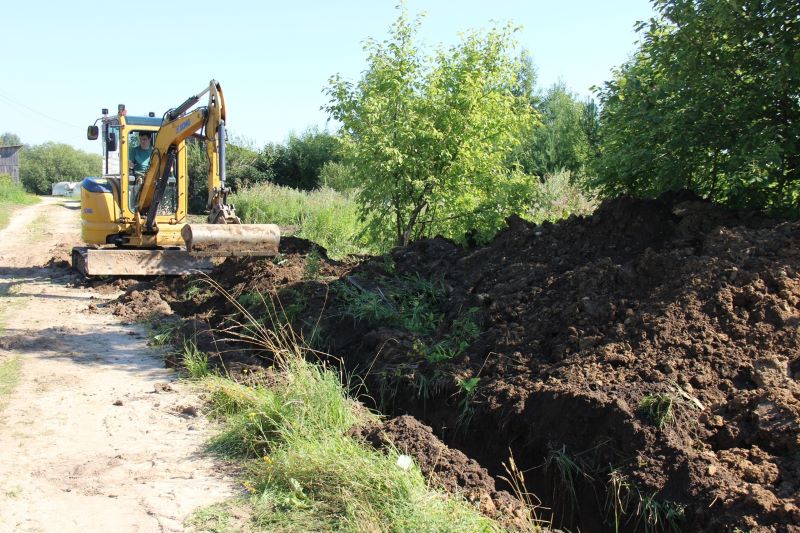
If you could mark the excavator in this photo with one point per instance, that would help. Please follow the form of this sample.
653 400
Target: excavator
134 222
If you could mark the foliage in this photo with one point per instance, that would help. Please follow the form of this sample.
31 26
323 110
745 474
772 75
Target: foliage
298 163
561 141
428 137
10 139
304 471
42 165
13 193
195 361
338 176
327 217
239 165
710 102
557 196
409 302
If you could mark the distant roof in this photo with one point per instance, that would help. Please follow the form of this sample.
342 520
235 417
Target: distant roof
143 121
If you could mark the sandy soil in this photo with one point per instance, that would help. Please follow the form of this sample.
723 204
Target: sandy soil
97 435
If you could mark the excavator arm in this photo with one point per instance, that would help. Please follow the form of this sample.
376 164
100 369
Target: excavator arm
180 124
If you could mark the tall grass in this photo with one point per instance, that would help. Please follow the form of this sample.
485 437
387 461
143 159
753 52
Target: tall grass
304 473
324 216
12 195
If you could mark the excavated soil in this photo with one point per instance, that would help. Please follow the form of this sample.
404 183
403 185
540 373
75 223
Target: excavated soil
640 365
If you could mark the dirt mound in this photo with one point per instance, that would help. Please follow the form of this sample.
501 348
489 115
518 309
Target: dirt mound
641 364
444 467
141 304
651 349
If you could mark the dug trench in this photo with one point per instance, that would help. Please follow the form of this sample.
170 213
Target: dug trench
639 365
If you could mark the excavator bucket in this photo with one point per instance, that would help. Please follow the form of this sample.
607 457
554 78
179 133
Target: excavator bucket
231 240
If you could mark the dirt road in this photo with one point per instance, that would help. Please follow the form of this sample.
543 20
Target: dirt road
89 439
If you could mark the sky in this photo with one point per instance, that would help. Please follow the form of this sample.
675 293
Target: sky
65 61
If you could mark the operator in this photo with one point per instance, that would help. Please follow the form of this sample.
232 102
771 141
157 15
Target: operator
139 157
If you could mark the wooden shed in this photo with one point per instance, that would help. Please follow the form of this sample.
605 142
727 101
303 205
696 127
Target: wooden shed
9 161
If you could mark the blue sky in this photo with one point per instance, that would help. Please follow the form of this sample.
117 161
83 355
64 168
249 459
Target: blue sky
65 61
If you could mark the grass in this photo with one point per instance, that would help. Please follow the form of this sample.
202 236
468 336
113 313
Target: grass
566 470
195 361
12 195
658 408
302 470
661 515
325 216
9 374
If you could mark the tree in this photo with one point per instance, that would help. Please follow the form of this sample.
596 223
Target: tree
710 102
239 165
561 141
10 139
42 165
428 137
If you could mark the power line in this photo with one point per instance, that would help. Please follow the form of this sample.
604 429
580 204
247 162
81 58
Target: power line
12 101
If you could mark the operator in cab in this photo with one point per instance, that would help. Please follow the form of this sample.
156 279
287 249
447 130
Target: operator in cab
139 157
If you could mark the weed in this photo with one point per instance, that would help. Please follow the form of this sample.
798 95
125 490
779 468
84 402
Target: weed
250 300
618 497
658 408
661 515
516 480
303 471
467 387
323 216
164 333
192 289
463 332
568 470
195 361
312 264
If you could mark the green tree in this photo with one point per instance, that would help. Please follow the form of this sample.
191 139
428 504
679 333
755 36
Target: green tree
42 165
710 102
9 139
428 137
561 141
240 170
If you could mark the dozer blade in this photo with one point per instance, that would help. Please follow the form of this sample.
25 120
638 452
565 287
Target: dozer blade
231 240
130 262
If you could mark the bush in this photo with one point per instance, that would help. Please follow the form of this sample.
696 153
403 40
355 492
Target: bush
558 196
12 192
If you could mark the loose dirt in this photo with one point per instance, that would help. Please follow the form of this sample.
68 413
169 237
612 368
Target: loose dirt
97 435
640 365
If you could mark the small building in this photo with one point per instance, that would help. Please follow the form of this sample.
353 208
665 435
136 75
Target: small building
9 161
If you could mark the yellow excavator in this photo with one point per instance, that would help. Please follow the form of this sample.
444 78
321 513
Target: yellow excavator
134 220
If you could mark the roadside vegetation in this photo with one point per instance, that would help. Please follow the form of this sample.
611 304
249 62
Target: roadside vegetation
288 427
12 195
325 216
